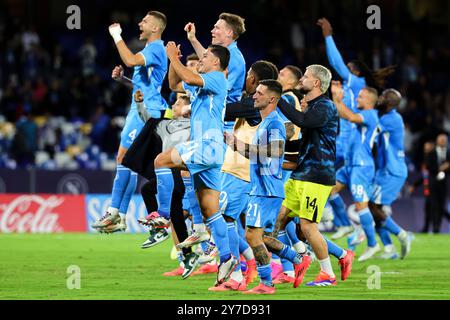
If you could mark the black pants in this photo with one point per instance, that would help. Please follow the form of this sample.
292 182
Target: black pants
438 199
149 191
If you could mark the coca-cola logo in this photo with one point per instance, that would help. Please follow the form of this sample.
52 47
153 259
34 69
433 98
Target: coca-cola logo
30 213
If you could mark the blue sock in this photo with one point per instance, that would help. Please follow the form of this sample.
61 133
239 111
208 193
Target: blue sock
264 272
283 237
243 244
288 253
291 232
120 185
216 223
391 226
165 188
338 206
384 235
333 248
240 228
366 220
196 212
336 220
129 191
233 239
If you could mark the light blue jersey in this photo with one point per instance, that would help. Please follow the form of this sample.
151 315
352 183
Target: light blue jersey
362 140
391 152
236 78
266 173
203 155
149 78
352 85
208 108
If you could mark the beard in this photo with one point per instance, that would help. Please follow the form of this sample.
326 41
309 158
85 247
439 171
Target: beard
304 90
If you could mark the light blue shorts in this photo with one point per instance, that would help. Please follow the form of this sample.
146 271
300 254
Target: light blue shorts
386 188
234 196
358 179
262 212
204 159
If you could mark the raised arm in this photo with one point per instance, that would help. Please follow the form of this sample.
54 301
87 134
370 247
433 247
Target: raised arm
333 54
343 110
129 58
118 75
178 69
190 30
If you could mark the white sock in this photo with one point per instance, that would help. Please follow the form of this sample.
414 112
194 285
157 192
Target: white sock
113 211
290 273
122 215
299 247
389 248
343 255
200 227
248 254
237 275
325 266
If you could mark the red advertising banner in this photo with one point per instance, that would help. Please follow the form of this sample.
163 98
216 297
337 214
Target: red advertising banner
42 213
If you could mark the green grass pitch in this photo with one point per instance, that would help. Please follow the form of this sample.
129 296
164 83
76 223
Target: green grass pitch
114 267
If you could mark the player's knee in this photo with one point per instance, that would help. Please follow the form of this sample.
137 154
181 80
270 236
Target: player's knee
361 205
159 161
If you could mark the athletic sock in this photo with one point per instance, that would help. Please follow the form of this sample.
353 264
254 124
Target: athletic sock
129 191
264 272
165 187
216 223
333 248
384 236
325 266
338 206
391 226
119 185
283 237
367 223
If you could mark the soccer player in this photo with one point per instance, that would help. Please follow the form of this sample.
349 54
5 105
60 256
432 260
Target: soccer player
203 154
282 269
310 183
266 158
355 76
225 32
150 68
391 173
359 170
236 183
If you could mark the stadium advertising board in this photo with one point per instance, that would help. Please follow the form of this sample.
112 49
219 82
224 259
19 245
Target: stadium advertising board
41 213
97 204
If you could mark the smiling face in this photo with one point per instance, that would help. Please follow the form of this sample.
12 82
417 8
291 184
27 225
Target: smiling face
263 97
207 62
221 34
147 26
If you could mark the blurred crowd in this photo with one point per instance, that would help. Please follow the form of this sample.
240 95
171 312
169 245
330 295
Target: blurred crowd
59 107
